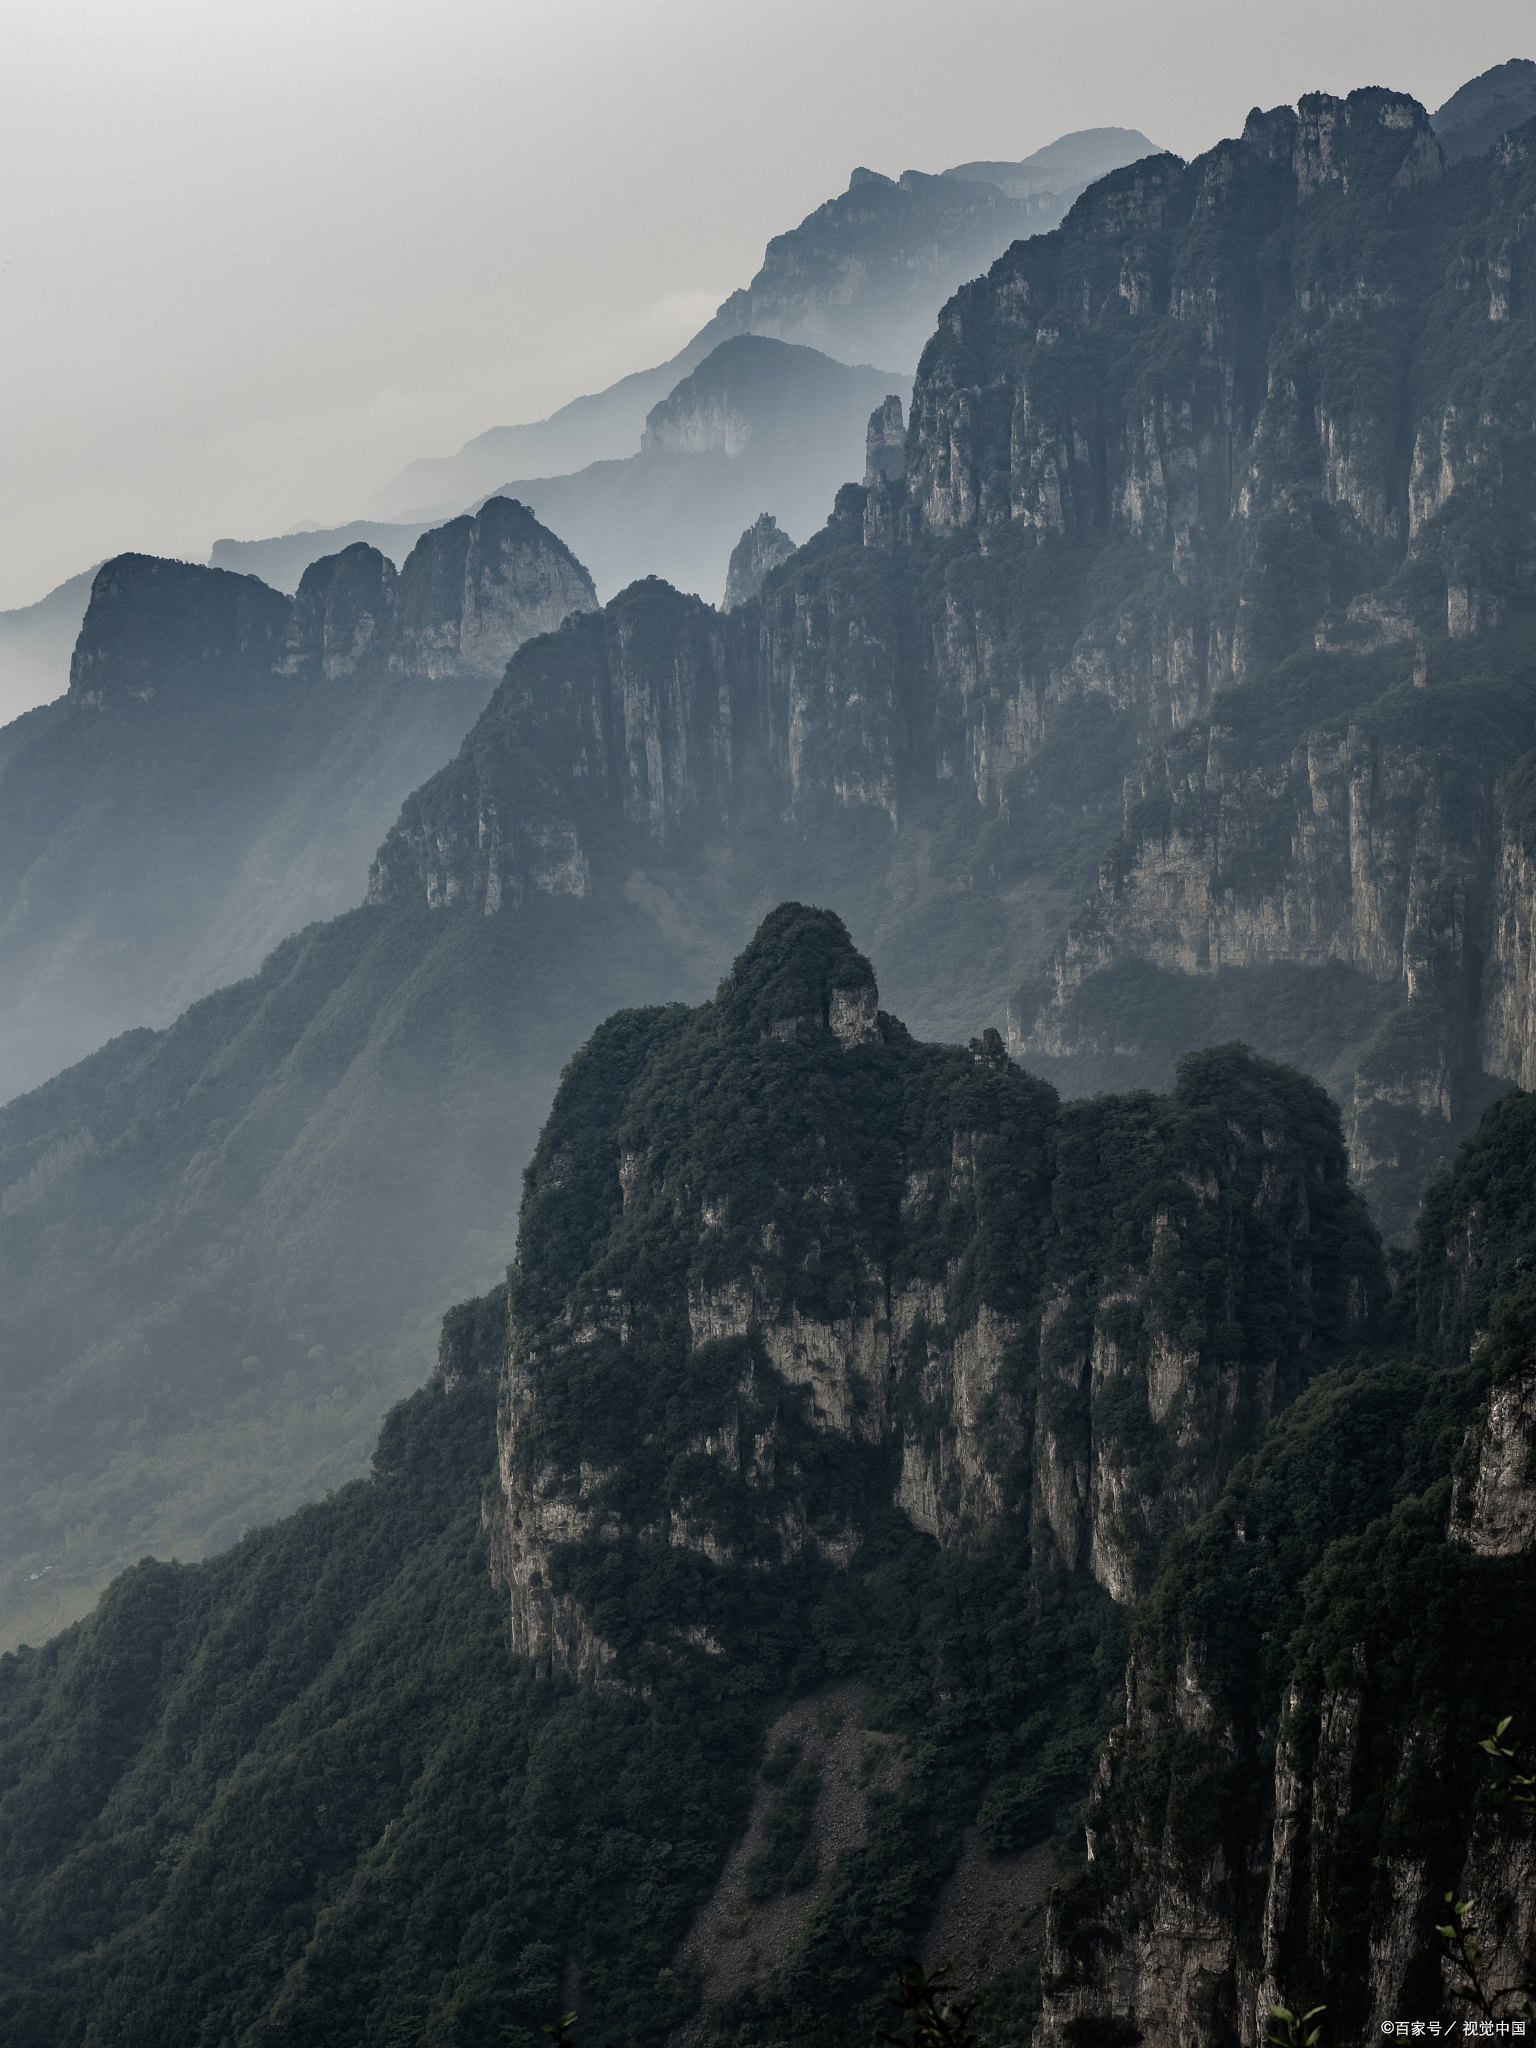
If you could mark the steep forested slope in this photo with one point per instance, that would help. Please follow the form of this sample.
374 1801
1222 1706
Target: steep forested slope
811 1330
1300 1780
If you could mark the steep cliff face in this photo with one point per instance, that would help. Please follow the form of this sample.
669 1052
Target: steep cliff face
762 547
1299 1780
917 1279
1295 834
153 626
885 444
469 595
1201 589
474 590
1507 1023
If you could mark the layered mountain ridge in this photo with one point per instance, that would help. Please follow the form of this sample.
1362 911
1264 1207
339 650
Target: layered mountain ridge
812 1334
225 758
859 279
1146 474
1156 490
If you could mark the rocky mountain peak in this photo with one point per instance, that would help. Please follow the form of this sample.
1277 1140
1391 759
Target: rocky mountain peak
1373 140
800 978
346 609
470 594
885 444
473 591
153 626
761 548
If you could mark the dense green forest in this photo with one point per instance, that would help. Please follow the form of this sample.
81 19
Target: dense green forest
305 1791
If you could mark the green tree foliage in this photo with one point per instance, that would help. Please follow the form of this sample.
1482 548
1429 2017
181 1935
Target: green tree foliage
302 1792
1324 1585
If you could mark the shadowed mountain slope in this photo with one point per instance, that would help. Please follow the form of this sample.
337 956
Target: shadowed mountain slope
668 1366
1486 107
36 642
840 1369
226 760
758 423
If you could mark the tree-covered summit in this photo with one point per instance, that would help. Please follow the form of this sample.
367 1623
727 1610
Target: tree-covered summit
798 960
822 1363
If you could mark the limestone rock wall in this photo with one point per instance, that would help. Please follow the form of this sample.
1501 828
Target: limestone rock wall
1507 1025
762 547
1493 1506
534 1512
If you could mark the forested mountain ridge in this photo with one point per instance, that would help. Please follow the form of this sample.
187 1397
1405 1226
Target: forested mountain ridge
779 1213
1205 594
977 717
1298 1784
225 760
792 1291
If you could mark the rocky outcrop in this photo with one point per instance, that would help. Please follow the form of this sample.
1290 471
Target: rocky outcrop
157 630
345 617
1493 1506
887 1318
762 547
966 1423
1289 1798
1357 851
468 597
885 444
1147 1396
538 1509
474 590
1507 1025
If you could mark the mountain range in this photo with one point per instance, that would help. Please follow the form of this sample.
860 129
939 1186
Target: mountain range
884 1511
860 279
1171 692
1040 1485
759 423
226 760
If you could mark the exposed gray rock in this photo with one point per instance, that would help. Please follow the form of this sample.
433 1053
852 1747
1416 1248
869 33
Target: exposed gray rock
761 548
885 444
1493 1506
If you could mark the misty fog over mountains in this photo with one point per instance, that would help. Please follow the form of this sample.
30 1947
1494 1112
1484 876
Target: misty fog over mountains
905 945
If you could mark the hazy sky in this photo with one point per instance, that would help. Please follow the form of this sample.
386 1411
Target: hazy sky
258 254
